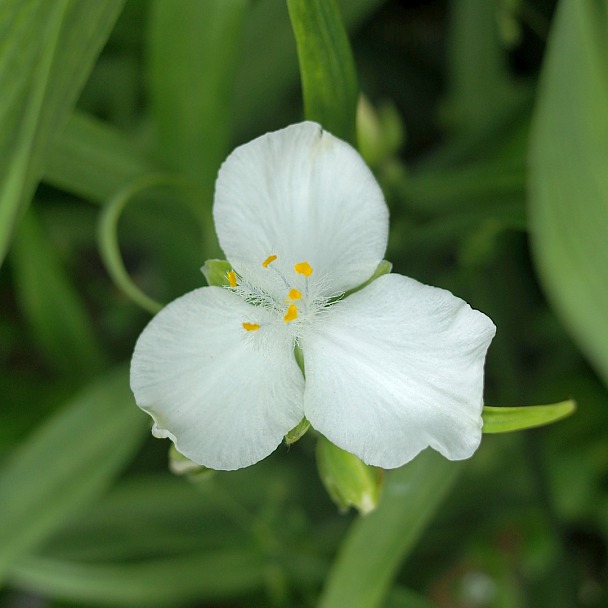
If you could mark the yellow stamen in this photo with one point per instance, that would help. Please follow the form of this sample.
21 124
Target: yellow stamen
294 294
251 326
291 314
269 260
231 276
303 268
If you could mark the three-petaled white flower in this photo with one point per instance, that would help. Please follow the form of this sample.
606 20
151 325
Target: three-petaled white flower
389 370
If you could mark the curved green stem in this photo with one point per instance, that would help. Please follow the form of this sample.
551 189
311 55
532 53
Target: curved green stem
107 234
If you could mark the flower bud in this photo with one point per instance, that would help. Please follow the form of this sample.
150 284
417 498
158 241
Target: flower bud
380 132
180 465
349 481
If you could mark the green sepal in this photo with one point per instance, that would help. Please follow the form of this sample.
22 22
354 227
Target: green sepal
182 466
380 132
384 267
348 481
299 355
297 432
507 419
216 271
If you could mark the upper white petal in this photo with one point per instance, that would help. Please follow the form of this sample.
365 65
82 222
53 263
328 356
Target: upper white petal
395 368
224 396
304 195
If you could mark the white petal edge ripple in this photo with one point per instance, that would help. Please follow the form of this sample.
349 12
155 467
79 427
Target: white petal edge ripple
395 368
225 403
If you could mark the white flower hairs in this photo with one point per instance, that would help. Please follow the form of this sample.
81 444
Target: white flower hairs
387 371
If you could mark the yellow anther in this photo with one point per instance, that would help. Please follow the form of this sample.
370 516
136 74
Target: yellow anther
269 260
231 276
294 294
303 268
291 314
251 326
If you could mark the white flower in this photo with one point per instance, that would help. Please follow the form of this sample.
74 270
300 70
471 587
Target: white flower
390 370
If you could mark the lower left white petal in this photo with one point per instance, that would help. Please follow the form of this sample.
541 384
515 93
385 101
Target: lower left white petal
224 402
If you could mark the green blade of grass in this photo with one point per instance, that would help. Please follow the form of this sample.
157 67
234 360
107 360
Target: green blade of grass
360 577
169 581
268 64
48 49
327 70
66 463
91 159
193 56
57 316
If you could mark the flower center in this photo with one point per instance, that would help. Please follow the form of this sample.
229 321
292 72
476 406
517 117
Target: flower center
288 309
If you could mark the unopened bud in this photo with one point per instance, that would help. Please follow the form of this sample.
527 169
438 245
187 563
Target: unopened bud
180 465
349 481
380 132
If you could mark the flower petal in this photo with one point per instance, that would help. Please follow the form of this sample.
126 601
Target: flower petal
223 395
303 195
395 368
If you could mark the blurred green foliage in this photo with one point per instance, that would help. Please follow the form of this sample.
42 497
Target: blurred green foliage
486 123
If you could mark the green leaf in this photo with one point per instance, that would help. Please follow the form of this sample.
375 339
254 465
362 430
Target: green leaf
48 49
506 419
268 64
361 577
327 69
474 186
477 63
400 597
93 160
193 55
170 581
53 308
66 464
143 517
568 177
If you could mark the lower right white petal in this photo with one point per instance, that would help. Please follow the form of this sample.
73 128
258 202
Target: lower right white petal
395 368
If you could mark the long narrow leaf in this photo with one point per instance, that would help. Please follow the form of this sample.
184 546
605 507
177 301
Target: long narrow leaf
48 49
268 63
66 464
569 177
477 63
193 59
93 160
160 582
375 545
327 70
50 303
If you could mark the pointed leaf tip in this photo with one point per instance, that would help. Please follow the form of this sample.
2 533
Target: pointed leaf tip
507 419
